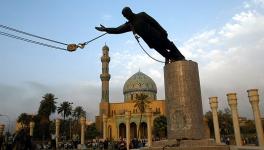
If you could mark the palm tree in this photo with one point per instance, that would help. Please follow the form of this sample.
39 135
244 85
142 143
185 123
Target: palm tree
65 109
47 106
141 103
78 112
24 119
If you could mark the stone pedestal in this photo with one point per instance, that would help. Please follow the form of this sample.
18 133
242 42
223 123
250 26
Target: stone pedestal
214 105
204 144
31 128
57 124
127 117
206 128
183 100
82 121
254 101
232 101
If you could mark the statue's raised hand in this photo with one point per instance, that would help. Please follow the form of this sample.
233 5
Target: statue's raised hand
101 28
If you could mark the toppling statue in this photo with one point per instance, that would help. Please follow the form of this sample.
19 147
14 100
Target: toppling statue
150 31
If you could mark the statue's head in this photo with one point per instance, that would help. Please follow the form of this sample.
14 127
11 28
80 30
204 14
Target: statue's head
127 13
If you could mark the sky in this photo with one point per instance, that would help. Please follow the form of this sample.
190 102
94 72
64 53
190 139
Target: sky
226 39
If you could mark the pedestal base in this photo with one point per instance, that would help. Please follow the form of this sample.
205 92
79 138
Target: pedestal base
183 100
203 144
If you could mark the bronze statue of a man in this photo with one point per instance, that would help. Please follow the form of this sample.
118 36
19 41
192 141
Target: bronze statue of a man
150 31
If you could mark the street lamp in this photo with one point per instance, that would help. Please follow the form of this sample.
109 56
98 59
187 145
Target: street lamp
8 121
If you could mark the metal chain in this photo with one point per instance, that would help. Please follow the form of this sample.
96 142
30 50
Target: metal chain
137 38
19 31
30 41
85 43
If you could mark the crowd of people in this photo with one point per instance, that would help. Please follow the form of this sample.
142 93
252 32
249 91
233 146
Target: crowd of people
230 140
18 141
116 145
22 141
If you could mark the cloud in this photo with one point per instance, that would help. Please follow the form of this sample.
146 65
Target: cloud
230 59
29 94
254 4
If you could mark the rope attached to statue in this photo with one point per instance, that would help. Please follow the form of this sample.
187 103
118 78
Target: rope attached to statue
73 47
137 38
70 47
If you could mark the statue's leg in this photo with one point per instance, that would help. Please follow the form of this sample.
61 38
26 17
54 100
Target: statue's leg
174 52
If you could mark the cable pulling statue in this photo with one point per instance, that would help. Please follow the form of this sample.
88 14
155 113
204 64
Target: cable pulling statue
150 31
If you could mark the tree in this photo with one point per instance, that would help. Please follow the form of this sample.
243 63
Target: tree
24 119
65 109
78 112
225 122
141 103
47 106
91 131
160 126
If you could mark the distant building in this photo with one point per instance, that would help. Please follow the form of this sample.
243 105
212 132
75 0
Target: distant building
115 112
242 121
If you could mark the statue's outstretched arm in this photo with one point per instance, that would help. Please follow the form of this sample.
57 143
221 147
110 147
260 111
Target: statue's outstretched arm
118 30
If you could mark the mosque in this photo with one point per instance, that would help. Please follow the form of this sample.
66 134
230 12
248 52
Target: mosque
111 120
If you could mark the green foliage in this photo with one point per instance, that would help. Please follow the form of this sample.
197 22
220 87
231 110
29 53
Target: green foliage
78 112
24 119
75 127
47 105
225 122
65 109
67 128
247 128
141 103
91 131
160 127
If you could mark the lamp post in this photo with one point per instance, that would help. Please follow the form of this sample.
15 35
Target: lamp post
8 121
